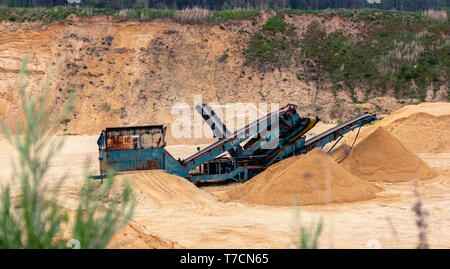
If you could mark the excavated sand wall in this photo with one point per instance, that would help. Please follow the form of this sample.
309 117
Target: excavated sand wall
125 72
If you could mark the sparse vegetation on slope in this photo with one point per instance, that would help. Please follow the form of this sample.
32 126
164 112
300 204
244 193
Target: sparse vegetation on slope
401 51
273 45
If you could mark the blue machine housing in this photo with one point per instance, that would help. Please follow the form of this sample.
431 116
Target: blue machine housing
136 148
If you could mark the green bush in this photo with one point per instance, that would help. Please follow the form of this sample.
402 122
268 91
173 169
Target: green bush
232 14
276 24
273 45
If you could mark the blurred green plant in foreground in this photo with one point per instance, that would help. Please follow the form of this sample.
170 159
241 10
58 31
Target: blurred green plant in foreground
32 218
308 236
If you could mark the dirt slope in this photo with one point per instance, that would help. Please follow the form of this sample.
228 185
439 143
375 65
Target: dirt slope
314 178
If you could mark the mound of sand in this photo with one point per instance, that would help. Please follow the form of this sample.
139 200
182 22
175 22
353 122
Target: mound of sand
155 189
339 153
381 157
133 236
314 178
423 133
423 128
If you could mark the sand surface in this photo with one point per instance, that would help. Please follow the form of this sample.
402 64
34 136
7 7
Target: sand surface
172 212
134 236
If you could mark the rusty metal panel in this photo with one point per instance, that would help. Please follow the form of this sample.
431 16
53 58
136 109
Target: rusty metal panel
153 140
114 142
139 137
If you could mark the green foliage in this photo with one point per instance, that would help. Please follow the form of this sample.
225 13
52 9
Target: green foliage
313 5
143 14
370 59
32 218
49 15
233 14
273 45
276 24
308 235
101 212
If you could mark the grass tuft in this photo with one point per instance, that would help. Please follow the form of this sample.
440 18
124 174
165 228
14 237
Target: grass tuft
193 15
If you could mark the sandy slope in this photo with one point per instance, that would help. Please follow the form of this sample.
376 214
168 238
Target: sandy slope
134 236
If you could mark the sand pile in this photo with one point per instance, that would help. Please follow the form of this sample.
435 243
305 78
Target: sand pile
381 157
423 128
423 133
340 153
133 236
156 189
314 178
162 193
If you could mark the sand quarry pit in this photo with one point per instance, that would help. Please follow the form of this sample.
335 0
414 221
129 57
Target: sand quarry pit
173 213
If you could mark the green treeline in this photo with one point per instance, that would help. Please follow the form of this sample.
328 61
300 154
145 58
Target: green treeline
404 5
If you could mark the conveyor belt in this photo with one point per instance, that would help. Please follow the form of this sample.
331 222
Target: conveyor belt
310 143
219 129
236 134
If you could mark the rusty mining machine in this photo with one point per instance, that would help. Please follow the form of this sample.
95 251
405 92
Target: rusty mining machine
234 156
